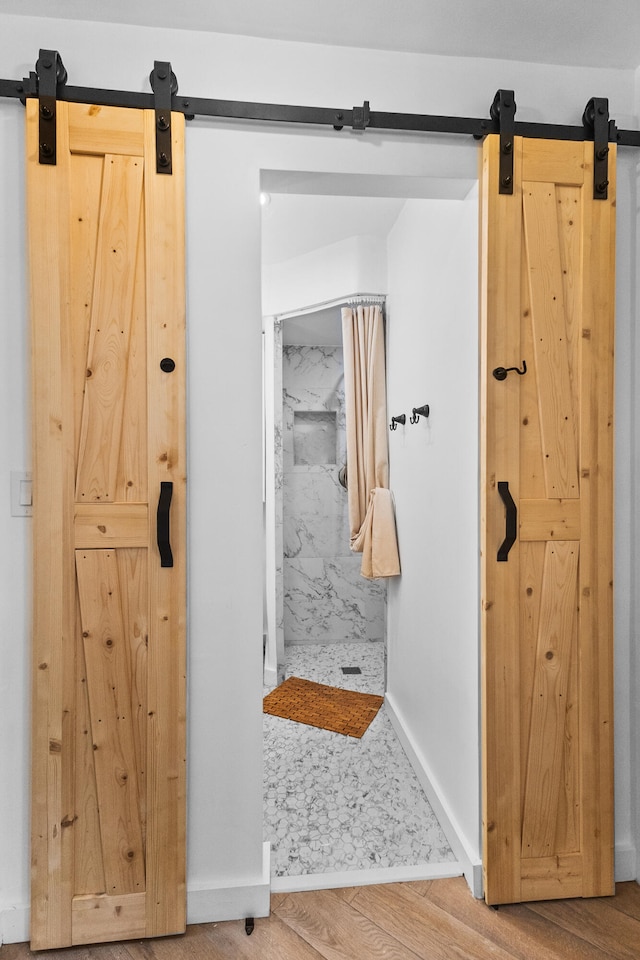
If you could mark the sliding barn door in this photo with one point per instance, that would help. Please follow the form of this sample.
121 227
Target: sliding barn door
547 464
106 241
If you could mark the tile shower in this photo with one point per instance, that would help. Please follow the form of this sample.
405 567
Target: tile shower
332 803
324 598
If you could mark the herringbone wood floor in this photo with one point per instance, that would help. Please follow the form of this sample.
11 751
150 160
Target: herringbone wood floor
427 920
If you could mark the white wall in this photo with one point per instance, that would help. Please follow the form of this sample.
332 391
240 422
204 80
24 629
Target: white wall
355 265
432 338
14 531
634 437
626 542
224 160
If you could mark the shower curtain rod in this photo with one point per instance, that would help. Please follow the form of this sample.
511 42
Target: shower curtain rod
327 304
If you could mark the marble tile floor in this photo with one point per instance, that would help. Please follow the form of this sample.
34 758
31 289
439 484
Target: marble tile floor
334 803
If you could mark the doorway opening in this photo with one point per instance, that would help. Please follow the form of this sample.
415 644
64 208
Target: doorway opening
330 245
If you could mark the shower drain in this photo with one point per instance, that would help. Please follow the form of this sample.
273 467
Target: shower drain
351 669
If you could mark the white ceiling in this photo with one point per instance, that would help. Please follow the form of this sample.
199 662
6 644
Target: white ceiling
295 225
584 32
311 210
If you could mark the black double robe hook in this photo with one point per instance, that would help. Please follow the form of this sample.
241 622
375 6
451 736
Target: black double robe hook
500 373
418 412
396 420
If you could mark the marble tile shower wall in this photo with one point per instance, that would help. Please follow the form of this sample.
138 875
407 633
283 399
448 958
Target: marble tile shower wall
325 599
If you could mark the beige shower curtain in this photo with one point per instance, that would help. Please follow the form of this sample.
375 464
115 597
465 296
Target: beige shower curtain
371 515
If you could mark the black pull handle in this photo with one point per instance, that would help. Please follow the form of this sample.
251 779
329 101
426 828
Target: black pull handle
511 520
162 524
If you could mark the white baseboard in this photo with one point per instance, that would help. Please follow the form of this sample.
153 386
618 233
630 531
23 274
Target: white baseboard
626 867
361 878
204 904
232 902
468 860
270 677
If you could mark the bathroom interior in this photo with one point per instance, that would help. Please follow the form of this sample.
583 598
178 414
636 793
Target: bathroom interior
394 804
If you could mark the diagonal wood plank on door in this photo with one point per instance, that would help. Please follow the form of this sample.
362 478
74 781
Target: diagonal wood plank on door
549 701
112 304
108 663
551 350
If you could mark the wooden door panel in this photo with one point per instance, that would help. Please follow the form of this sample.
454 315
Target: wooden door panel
549 338
86 175
103 409
107 269
95 130
554 161
118 767
547 610
120 525
544 757
549 520
96 919
88 860
552 878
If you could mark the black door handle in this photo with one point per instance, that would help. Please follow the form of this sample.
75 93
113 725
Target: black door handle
500 373
511 530
162 524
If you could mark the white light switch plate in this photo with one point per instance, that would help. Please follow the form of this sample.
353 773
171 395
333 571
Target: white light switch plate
21 494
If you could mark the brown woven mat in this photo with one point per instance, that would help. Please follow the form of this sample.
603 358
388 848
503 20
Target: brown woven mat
318 705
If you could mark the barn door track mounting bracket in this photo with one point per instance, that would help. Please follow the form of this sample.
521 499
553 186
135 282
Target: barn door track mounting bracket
503 109
597 125
50 75
164 84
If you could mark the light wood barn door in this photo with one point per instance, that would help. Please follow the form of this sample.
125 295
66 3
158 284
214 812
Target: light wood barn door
106 244
547 261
